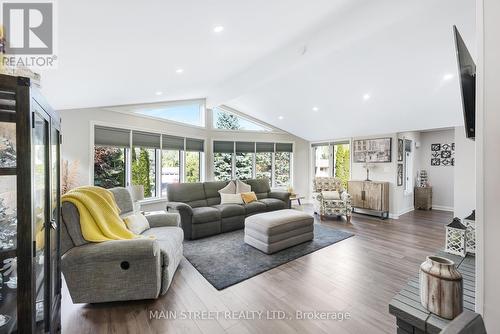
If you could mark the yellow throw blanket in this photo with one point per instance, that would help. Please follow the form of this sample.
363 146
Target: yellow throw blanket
99 215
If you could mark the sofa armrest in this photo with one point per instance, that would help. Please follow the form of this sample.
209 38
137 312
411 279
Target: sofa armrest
94 271
162 218
186 213
281 195
182 208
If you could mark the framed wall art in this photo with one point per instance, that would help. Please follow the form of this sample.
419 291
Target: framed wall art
400 175
443 154
373 150
400 149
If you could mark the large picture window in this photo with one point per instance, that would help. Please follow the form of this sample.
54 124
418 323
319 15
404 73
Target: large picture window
224 119
245 160
333 159
128 157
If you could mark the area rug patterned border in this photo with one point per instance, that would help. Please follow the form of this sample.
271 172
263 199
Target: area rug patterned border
225 259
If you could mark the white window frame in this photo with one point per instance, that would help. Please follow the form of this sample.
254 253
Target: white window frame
128 155
273 179
134 108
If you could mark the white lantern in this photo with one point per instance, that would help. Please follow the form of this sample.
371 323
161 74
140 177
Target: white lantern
470 234
455 238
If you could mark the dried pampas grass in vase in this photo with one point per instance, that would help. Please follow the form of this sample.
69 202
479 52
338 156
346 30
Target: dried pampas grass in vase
69 176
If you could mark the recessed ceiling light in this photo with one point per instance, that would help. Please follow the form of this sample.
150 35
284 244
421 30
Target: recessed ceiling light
219 29
366 97
447 77
159 93
315 108
281 117
179 70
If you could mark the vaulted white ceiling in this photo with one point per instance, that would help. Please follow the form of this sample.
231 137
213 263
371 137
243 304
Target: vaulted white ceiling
275 60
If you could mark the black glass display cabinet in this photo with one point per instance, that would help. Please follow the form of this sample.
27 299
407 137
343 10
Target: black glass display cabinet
30 276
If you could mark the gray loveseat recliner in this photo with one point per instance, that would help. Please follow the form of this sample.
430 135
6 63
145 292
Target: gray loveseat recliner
120 270
202 214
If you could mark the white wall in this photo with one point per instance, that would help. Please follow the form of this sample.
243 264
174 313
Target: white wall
488 160
77 142
441 178
465 174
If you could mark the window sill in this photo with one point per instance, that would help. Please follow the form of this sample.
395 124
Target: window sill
152 200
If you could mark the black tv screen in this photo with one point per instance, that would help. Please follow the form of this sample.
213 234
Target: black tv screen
467 71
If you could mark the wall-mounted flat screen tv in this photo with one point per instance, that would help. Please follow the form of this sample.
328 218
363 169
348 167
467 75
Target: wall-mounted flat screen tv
467 72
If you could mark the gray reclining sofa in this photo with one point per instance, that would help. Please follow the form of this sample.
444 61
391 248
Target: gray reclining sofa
119 270
202 214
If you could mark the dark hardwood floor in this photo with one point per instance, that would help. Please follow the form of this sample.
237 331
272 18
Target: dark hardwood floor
359 275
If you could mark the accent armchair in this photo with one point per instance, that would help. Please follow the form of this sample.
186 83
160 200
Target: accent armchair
325 204
119 270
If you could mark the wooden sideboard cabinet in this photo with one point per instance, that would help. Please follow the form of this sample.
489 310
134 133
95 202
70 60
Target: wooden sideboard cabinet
370 195
423 198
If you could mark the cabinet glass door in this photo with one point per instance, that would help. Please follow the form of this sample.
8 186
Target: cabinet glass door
8 228
54 237
40 205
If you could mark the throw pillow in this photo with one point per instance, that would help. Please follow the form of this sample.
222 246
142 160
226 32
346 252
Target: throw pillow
229 189
136 223
249 197
242 187
230 199
330 194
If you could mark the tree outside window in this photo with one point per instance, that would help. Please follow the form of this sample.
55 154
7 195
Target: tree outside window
109 166
263 166
282 169
244 166
342 156
193 166
143 169
222 166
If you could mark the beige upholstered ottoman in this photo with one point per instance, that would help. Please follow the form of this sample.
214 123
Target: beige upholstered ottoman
273 231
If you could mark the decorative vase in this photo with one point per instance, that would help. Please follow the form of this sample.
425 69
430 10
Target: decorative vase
441 287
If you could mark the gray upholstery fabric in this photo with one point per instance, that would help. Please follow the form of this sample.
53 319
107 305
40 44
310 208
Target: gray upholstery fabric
260 187
162 218
230 210
273 204
232 223
192 194
205 230
281 195
169 239
198 222
255 207
205 214
212 191
273 231
96 272
71 218
123 199
274 247
66 242
276 222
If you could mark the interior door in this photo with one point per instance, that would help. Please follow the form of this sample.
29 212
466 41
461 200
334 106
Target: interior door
373 196
356 192
41 215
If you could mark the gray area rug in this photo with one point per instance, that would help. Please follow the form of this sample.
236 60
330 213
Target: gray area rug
225 259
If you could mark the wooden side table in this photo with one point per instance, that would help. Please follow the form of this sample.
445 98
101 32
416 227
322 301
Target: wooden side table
296 198
423 198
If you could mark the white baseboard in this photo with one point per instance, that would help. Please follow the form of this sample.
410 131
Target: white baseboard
443 208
